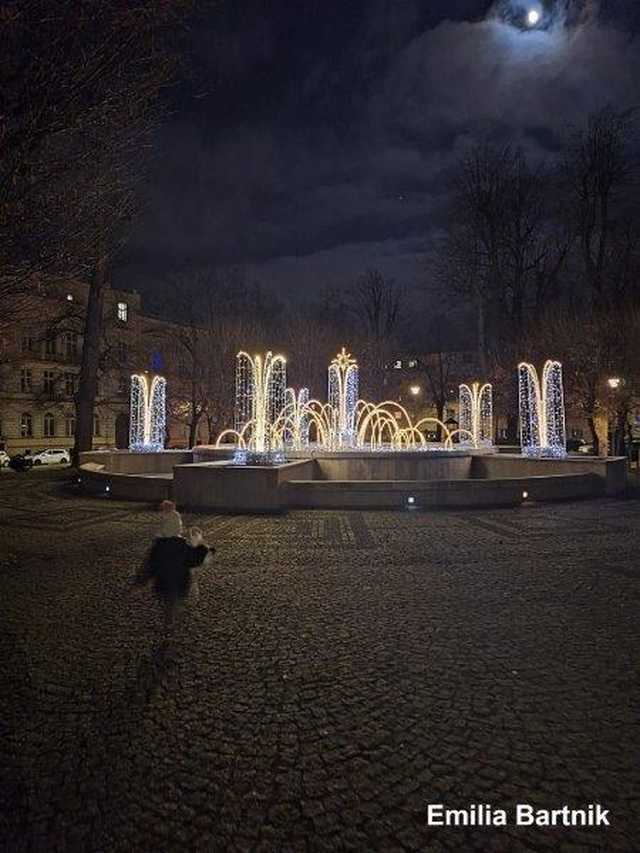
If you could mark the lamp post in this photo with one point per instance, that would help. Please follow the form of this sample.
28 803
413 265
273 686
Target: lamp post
616 428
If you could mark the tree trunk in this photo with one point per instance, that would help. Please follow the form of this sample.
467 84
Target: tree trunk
482 351
88 381
440 407
595 438
193 424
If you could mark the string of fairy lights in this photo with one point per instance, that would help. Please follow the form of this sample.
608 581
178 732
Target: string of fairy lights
270 418
147 418
542 412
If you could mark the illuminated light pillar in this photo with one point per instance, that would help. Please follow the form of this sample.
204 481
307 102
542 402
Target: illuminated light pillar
260 398
542 415
296 420
343 398
475 418
148 413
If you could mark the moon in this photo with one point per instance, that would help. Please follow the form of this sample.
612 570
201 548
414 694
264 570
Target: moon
533 17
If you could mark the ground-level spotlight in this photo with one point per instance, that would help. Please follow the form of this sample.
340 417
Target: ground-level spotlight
525 495
411 502
107 488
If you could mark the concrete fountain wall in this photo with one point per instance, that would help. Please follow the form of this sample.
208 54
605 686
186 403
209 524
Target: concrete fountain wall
350 480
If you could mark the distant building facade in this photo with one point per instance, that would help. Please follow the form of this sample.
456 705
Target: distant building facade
40 357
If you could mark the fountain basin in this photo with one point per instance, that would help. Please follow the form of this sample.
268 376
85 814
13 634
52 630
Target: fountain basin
207 480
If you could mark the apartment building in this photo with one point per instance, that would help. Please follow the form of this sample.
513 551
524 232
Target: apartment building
40 356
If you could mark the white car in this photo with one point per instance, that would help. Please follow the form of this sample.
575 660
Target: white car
4 458
52 456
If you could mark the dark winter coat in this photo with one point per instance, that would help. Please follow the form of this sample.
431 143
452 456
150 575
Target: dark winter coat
169 565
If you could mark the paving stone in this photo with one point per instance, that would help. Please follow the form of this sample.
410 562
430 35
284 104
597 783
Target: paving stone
340 671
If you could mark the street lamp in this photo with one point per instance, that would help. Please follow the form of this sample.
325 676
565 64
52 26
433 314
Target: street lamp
415 390
614 382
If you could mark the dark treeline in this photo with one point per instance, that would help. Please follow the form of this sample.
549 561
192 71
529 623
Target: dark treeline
548 256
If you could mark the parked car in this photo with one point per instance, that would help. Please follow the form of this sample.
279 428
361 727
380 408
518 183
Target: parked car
4 459
52 456
21 462
586 448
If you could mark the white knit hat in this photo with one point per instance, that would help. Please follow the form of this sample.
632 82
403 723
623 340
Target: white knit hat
171 524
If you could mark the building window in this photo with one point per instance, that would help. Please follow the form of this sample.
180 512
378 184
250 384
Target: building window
25 380
413 363
123 312
96 425
49 425
27 343
26 425
48 380
121 351
123 386
69 384
397 365
70 343
69 426
50 345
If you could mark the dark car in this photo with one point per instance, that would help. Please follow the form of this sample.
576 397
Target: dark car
20 462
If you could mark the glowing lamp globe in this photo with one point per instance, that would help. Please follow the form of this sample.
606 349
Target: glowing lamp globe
533 17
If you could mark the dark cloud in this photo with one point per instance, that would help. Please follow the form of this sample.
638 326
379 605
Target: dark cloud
337 159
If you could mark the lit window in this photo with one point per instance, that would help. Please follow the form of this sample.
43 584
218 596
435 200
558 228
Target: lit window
123 311
397 365
26 425
413 363
49 425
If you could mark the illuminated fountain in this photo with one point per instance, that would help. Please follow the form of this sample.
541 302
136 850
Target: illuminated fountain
475 416
343 399
291 428
260 400
147 423
270 419
542 416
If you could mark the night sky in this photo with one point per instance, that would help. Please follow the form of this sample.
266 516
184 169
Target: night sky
312 140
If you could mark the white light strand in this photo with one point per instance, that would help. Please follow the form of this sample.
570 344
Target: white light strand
343 398
475 417
542 413
260 399
148 414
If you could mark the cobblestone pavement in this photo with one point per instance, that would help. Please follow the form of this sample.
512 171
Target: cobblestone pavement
341 671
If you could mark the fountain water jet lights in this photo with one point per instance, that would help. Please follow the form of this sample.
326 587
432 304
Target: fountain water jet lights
147 424
260 399
475 416
343 399
542 415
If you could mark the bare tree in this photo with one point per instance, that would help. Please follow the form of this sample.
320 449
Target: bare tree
377 309
601 175
80 102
